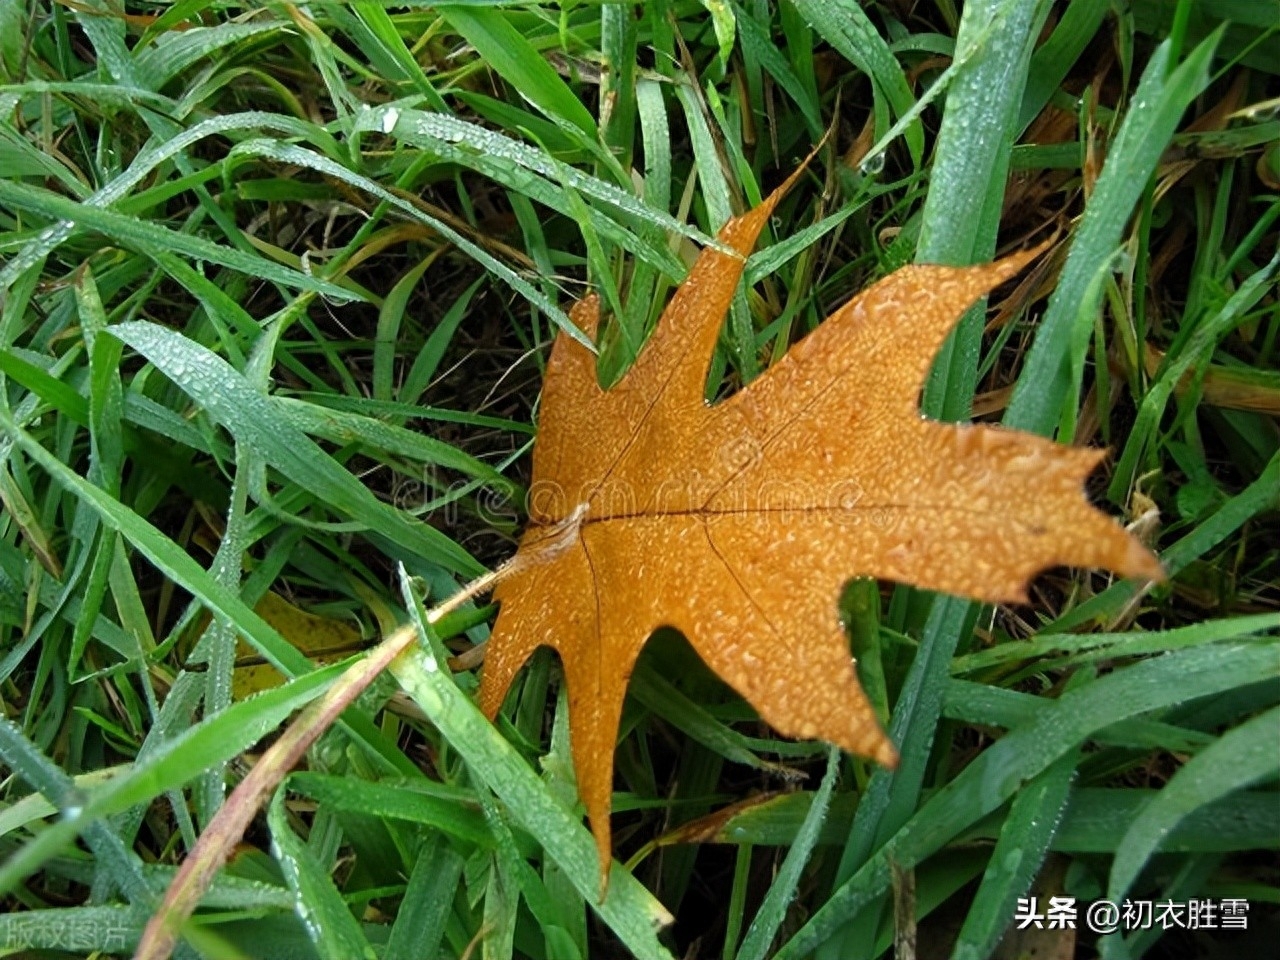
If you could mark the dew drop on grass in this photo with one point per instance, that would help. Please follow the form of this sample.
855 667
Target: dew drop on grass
873 165
222 686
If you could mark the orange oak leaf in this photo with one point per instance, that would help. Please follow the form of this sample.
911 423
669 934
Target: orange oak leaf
738 523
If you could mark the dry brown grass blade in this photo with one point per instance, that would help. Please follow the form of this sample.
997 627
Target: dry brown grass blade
1244 389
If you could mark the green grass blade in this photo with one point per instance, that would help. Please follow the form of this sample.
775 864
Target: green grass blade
773 910
966 184
343 427
845 25
509 54
452 812
999 772
172 765
252 419
1243 756
29 762
666 701
1262 494
756 43
391 317
1025 839
174 562
1053 59
148 238
629 909
1084 647
428 359
892 796
419 926
150 158
1196 353
328 921
178 566
501 157
1158 104
287 153
174 52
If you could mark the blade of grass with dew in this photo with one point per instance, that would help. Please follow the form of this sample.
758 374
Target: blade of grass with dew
892 797
647 291
149 159
773 910
453 812
328 921
472 143
711 174
1025 837
1162 97
1001 770
35 806
1241 757
537 175
628 909
286 153
146 237
383 42
1115 645
118 863
419 925
228 398
846 26
980 704
962 210
174 52
178 566
1095 820
217 647
173 764
376 408
509 54
342 427
550 915
766 261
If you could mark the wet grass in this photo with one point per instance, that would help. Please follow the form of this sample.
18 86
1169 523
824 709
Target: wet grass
277 287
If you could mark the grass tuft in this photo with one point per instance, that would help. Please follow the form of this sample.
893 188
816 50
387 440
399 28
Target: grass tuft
277 283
